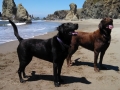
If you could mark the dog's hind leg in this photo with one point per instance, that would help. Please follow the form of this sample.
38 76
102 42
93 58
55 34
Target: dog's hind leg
20 71
22 66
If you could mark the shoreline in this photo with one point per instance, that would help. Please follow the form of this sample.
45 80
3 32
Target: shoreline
57 21
84 25
12 45
80 22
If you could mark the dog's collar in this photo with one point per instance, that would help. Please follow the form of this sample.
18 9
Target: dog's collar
63 45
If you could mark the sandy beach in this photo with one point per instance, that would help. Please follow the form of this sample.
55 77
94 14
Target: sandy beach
80 76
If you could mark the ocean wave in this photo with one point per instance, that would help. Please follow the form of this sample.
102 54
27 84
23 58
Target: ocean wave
17 24
3 20
37 20
39 29
26 31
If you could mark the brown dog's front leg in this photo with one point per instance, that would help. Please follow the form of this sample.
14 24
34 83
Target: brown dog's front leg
71 51
69 60
101 59
95 60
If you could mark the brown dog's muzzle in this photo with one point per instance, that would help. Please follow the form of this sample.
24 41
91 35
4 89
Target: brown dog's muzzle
110 27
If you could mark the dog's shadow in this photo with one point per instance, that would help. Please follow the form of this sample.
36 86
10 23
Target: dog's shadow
108 67
67 79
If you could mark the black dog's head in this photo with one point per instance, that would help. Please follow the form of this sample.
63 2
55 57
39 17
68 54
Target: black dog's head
66 31
67 28
106 25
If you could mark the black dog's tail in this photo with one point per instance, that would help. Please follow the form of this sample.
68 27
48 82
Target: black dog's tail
16 31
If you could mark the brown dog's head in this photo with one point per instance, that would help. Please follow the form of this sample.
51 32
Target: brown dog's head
106 25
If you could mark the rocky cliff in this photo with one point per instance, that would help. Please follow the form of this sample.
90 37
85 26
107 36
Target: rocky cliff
92 9
100 9
9 10
61 14
72 14
22 14
65 14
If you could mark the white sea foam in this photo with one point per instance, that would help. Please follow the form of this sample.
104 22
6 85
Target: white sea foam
3 20
17 24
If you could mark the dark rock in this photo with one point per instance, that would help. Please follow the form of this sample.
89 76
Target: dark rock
22 14
18 14
100 9
8 9
72 14
57 15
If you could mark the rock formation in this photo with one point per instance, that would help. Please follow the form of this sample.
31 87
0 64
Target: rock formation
72 14
57 15
100 9
8 9
22 14
19 14
95 9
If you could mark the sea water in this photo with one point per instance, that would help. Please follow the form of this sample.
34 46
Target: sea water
37 27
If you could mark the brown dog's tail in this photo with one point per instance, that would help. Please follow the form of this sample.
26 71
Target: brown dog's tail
16 31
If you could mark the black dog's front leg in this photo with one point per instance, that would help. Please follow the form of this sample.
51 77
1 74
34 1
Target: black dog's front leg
59 70
55 73
55 68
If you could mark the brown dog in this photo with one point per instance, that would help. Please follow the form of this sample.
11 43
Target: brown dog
97 41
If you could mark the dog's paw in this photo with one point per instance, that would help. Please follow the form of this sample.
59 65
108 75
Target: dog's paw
22 81
57 84
96 70
70 64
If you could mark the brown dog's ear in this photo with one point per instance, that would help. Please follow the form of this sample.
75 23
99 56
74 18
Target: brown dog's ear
100 26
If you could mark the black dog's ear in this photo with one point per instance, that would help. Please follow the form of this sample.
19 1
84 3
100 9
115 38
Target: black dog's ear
60 28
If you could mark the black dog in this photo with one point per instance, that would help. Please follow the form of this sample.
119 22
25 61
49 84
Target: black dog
54 50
